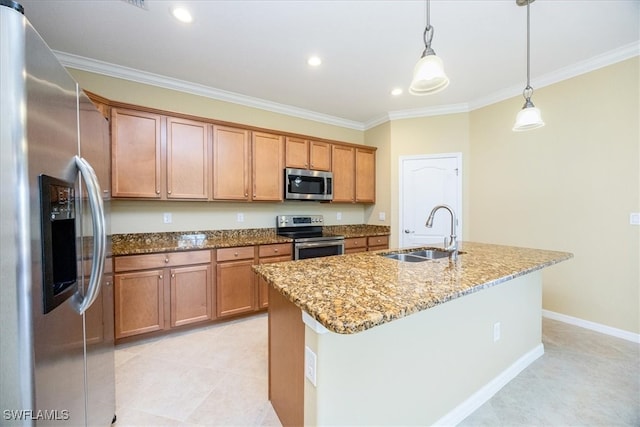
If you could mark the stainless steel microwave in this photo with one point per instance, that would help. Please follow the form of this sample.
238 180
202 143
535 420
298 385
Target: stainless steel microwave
303 184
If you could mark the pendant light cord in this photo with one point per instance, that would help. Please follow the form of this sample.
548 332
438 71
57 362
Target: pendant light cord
428 34
528 47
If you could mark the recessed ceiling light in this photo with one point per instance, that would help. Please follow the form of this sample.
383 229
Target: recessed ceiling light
182 14
396 92
314 61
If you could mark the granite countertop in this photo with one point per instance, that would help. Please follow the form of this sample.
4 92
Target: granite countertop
351 293
146 243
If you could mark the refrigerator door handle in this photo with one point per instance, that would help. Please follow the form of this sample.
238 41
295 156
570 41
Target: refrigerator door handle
82 303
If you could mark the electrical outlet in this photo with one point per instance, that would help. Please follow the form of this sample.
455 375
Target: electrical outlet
339 216
310 365
634 218
496 332
166 217
382 216
240 217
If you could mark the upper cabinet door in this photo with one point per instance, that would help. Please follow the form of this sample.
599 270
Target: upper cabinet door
268 174
188 159
231 163
297 153
305 154
343 168
365 176
136 154
319 156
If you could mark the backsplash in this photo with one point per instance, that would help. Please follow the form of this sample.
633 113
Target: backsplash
132 216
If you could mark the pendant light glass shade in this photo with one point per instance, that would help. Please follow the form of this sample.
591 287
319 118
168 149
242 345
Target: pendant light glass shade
428 74
529 117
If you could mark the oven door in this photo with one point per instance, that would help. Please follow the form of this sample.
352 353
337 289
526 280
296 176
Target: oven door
304 250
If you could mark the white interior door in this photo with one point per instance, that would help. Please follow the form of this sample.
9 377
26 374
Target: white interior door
425 182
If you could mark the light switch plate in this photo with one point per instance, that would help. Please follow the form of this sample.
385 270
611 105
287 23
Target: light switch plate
166 217
240 217
634 218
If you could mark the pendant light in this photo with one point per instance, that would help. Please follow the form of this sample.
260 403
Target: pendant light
428 74
529 117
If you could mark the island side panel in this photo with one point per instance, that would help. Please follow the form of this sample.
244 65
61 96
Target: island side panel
416 370
286 359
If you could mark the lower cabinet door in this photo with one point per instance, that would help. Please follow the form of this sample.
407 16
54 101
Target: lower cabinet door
139 302
190 294
235 288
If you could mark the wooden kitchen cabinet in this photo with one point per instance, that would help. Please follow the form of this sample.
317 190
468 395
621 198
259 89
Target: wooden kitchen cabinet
160 291
235 281
354 174
191 296
139 302
279 252
136 154
355 244
188 160
159 157
376 243
365 175
267 166
231 163
343 168
307 154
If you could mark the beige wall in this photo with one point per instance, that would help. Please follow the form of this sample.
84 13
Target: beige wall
568 186
427 135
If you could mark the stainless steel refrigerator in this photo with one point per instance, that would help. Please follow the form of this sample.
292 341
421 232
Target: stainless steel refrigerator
56 293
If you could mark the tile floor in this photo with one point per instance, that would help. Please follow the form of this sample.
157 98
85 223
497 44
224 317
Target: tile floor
217 376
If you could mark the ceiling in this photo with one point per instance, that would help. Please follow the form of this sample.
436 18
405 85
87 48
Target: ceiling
255 52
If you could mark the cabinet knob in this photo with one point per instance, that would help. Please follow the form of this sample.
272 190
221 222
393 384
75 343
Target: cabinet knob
107 283
166 260
160 277
246 194
275 250
169 192
173 276
235 254
157 191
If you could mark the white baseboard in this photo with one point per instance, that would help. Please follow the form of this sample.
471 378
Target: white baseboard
604 329
483 395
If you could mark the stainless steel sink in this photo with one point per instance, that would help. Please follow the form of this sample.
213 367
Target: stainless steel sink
404 257
418 255
431 253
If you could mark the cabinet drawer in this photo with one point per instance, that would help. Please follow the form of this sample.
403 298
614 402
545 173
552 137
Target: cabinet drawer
275 250
355 242
232 254
168 259
378 241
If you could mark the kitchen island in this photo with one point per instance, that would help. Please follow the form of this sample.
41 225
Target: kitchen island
388 342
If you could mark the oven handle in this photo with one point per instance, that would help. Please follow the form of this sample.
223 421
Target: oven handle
316 244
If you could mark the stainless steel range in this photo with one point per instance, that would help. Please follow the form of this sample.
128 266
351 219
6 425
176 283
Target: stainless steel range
309 240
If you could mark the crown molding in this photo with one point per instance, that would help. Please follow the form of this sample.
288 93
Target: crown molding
99 67
609 58
117 71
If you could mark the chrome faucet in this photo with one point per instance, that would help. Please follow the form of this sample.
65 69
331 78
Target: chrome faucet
452 245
